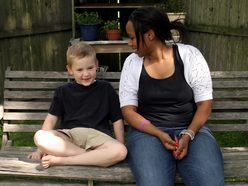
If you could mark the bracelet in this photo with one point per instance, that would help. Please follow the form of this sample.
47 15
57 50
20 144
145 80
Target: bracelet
143 124
189 132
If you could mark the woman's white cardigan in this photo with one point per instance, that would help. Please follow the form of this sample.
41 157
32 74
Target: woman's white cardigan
196 72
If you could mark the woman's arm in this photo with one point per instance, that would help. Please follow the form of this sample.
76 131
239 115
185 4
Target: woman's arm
197 75
135 120
204 109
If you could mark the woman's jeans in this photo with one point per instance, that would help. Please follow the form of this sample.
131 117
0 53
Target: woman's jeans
153 165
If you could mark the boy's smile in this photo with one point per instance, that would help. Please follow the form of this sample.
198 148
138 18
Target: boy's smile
84 70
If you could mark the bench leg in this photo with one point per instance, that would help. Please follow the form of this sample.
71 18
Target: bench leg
6 141
5 138
90 183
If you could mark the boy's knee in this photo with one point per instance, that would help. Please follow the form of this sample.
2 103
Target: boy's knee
41 137
38 136
121 152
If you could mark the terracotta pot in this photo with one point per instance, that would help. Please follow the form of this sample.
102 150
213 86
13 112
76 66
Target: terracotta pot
113 34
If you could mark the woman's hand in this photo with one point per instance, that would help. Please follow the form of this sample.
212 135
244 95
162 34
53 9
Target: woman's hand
167 141
182 149
36 155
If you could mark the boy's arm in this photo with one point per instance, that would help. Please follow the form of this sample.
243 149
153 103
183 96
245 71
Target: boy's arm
48 124
119 130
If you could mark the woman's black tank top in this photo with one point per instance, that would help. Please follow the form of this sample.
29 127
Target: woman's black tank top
166 102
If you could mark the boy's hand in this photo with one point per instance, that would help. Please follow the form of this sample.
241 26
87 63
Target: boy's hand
36 155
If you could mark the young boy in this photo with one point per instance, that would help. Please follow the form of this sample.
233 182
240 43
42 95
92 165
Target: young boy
85 106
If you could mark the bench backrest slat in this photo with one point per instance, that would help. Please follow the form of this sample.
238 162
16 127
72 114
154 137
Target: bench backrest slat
49 94
37 75
32 127
229 74
28 94
24 116
32 85
21 105
228 127
230 84
230 105
31 105
35 127
42 115
21 128
228 116
230 94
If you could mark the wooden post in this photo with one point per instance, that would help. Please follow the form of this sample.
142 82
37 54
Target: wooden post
90 183
1 112
73 21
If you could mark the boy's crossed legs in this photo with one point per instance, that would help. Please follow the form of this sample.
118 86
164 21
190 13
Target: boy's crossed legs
61 151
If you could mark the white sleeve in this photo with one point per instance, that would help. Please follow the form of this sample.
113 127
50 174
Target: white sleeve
128 88
197 74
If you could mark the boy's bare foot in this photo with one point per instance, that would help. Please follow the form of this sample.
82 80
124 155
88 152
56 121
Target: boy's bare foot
50 160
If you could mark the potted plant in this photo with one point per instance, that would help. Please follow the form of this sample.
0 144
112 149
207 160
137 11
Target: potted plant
112 29
174 10
89 24
172 5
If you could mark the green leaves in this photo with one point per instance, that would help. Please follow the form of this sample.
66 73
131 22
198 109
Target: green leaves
171 5
88 18
111 25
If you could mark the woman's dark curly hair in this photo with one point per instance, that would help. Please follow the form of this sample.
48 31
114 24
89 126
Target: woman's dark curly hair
156 19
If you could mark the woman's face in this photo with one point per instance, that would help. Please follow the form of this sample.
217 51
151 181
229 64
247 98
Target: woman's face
142 51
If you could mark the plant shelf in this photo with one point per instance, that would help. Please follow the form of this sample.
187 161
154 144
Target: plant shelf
111 5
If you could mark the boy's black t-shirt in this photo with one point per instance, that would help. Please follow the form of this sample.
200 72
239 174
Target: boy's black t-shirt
86 106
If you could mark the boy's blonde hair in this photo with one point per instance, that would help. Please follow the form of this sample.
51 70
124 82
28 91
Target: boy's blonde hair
79 50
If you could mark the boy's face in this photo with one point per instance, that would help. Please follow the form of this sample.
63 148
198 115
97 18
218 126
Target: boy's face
84 70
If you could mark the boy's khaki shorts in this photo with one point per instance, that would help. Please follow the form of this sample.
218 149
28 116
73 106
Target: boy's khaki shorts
86 138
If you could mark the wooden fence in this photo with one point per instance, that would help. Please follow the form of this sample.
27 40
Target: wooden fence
34 34
219 28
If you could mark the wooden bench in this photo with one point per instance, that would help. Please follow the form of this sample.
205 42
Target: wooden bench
27 97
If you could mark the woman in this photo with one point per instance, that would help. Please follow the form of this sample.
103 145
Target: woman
166 96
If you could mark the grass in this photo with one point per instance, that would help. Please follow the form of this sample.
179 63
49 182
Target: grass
231 139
